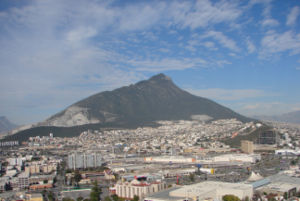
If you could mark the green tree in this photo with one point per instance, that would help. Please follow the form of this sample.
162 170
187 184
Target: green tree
272 199
107 198
298 194
96 192
115 197
67 199
230 198
192 177
79 198
136 198
285 195
51 196
77 177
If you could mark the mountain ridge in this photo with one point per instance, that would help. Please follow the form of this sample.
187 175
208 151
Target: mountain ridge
290 117
6 125
157 98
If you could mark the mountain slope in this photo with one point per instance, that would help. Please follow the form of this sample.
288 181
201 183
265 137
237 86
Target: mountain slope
155 99
6 125
291 117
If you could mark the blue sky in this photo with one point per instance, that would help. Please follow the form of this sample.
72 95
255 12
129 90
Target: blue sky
242 54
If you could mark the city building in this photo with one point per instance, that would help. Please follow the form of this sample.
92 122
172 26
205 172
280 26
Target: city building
84 160
170 159
23 180
243 158
287 152
209 190
34 197
247 146
268 137
138 186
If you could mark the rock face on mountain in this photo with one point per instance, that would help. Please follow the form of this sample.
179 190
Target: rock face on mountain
155 99
6 125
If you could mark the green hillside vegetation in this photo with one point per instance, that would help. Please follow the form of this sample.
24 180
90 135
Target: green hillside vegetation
253 136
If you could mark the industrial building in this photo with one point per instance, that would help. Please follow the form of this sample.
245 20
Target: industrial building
244 158
209 190
278 184
170 159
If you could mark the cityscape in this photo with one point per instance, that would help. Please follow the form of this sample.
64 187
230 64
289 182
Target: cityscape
179 160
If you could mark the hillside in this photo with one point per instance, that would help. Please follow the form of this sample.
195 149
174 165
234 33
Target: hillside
291 117
6 125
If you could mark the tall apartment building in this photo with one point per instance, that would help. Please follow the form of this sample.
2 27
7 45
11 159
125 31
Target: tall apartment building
247 146
268 137
23 180
84 160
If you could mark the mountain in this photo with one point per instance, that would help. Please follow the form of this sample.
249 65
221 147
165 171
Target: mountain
291 117
155 99
6 125
145 102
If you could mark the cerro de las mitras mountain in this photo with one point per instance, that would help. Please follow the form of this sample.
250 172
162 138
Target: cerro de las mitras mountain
155 99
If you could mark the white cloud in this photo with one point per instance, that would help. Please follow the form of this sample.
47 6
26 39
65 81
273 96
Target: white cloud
47 43
167 64
222 39
292 16
228 94
210 45
141 16
276 43
81 33
250 46
204 13
269 22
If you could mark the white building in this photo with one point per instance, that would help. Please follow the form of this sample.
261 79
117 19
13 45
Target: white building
209 190
128 190
170 159
84 160
287 152
244 158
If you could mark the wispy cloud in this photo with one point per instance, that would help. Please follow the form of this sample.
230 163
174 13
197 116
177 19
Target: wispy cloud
276 43
250 46
269 22
292 16
210 45
167 64
222 39
204 13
